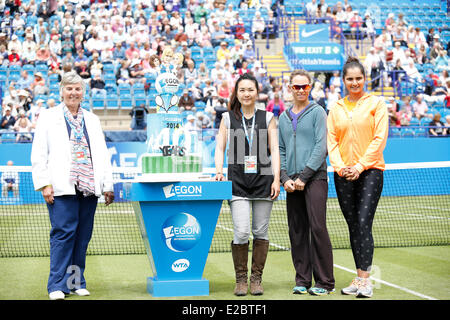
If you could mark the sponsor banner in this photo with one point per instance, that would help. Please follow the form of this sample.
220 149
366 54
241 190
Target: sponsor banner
314 32
166 191
318 56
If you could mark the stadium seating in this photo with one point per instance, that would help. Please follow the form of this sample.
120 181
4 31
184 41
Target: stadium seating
425 14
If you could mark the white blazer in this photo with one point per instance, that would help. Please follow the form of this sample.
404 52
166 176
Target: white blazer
51 154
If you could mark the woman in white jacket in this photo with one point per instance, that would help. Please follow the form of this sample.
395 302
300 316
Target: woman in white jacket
71 167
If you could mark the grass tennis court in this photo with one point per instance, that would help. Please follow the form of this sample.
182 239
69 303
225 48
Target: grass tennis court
408 273
399 222
405 272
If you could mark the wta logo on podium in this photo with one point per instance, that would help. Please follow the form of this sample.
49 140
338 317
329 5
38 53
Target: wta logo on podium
181 232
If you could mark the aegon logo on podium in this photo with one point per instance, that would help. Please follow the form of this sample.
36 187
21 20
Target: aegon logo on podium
185 191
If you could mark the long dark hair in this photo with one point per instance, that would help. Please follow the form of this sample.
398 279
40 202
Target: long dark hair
234 105
353 62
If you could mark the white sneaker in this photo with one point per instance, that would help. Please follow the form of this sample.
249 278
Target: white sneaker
365 289
353 287
81 292
56 295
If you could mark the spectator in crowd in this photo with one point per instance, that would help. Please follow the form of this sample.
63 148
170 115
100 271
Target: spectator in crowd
223 53
318 94
42 55
14 58
186 102
332 95
97 84
23 128
190 73
38 86
311 8
10 181
420 107
249 52
203 121
276 105
437 127
442 61
356 23
25 81
394 120
8 121
219 108
373 65
190 124
258 25
447 125
24 100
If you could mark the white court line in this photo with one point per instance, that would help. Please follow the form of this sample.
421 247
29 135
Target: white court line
422 216
418 294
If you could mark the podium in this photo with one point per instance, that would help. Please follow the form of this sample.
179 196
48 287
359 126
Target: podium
177 220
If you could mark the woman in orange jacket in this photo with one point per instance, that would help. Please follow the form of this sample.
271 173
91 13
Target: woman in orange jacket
357 132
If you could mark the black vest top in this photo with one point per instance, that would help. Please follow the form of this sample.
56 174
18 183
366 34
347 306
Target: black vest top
249 185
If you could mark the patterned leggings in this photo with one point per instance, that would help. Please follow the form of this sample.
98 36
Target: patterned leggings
358 201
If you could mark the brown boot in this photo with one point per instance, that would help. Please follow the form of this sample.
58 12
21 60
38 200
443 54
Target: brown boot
260 249
240 260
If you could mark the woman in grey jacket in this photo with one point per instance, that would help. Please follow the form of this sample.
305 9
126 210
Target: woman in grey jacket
303 151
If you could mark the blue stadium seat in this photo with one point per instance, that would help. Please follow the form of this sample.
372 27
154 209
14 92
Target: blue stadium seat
14 70
53 78
110 79
420 132
29 68
111 88
395 132
8 137
200 105
138 88
98 102
414 121
126 101
3 82
424 122
124 88
108 68
112 101
407 133
3 70
42 68
140 99
54 88
86 105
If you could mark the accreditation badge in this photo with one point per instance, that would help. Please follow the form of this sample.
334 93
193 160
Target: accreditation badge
80 154
250 164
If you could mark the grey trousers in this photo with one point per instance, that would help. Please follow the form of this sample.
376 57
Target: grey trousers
241 208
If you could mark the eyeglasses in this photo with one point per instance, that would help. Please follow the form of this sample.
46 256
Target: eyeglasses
297 87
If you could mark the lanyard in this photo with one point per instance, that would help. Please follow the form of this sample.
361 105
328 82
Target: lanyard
250 141
78 134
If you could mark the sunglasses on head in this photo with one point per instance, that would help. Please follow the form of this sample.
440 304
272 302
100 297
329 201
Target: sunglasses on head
300 86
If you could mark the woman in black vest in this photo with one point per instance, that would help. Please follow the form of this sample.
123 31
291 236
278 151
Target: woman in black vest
254 169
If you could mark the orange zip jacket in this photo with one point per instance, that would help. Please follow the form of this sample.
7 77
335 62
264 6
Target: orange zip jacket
358 138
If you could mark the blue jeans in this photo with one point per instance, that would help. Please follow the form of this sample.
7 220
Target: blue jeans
72 221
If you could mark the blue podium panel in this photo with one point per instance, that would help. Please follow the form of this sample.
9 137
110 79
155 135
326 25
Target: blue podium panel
177 222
